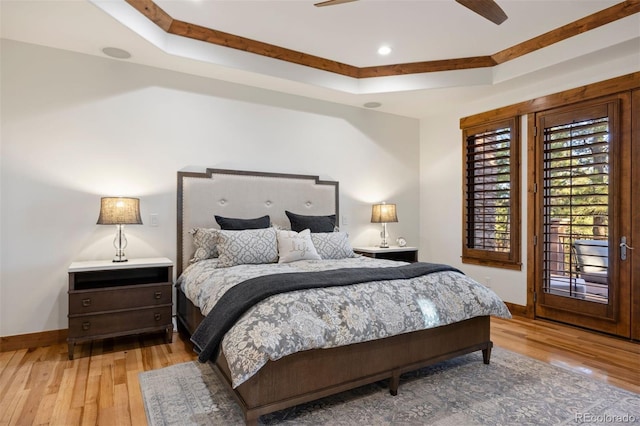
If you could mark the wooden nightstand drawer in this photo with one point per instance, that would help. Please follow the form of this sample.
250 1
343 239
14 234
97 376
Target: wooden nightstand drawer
89 301
119 322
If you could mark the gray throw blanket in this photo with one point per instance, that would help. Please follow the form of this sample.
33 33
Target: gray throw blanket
238 299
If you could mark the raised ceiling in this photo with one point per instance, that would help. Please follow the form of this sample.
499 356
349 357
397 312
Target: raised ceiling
431 40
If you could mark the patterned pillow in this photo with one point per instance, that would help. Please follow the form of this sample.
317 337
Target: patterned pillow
251 246
293 246
332 245
205 240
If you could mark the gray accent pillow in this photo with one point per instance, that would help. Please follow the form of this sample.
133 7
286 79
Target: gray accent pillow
236 224
332 245
205 241
248 247
301 222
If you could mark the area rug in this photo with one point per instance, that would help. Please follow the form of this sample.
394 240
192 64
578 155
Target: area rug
512 390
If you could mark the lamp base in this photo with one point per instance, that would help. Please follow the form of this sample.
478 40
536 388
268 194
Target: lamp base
120 243
120 257
383 235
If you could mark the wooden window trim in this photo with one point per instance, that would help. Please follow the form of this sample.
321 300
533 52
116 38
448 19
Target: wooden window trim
564 98
498 259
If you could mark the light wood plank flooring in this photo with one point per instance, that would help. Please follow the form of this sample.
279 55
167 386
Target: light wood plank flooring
609 359
41 386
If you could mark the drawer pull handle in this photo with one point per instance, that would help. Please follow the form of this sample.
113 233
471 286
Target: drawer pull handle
86 302
157 316
86 325
158 294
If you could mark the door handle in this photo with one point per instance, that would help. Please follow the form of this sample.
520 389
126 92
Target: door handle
623 248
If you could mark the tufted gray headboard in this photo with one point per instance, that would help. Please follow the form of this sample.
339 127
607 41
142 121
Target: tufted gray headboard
242 194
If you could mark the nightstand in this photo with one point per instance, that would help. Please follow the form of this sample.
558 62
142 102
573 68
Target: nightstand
110 299
405 254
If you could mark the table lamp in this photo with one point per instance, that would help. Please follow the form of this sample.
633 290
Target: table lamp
384 213
119 211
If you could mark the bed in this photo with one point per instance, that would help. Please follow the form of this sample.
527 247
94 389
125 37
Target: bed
288 378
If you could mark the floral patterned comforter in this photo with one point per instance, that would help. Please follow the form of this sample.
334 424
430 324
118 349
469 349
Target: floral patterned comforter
336 316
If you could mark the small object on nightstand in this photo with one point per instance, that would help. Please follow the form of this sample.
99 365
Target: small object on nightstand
404 254
108 299
401 242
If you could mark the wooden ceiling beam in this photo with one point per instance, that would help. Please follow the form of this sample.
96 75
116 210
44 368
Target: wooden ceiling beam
426 66
232 41
588 23
173 26
153 12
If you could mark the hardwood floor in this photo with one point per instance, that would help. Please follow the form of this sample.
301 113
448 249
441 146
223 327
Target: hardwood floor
40 386
100 386
608 359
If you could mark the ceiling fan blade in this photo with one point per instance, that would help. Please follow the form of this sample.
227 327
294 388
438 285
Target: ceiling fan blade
486 8
332 2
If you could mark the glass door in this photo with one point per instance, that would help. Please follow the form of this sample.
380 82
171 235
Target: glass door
582 215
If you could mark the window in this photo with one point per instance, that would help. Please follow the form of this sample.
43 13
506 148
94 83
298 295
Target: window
491 216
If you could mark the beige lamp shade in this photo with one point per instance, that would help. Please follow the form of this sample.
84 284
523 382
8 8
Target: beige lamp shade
383 213
119 211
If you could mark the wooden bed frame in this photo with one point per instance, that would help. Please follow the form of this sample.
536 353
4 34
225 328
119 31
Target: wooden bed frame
309 375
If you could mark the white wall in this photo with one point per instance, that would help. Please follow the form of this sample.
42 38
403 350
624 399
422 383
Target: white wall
441 159
78 127
441 186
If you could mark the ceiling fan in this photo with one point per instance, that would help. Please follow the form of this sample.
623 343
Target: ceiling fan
488 9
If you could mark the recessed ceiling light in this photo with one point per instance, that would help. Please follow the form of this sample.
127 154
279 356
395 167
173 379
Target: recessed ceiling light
372 105
114 52
384 50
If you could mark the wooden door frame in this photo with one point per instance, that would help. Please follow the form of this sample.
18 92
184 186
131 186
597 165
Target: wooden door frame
615 317
629 82
635 219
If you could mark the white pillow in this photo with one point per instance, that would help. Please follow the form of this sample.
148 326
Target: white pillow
293 246
205 241
251 246
332 245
